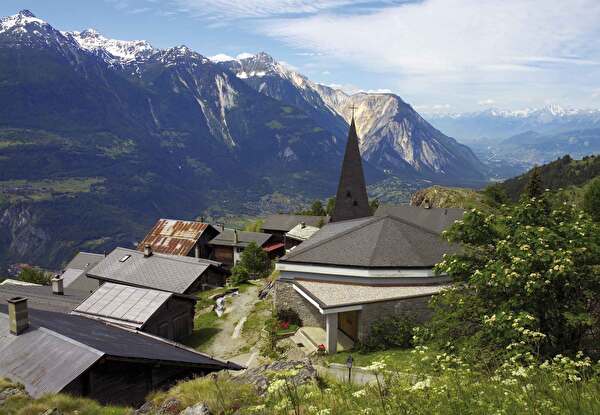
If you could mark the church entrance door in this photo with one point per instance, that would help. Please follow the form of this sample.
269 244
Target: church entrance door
348 324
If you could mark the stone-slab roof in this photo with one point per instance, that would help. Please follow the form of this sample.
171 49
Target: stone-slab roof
244 238
84 260
302 232
170 273
375 242
130 306
41 297
433 219
329 295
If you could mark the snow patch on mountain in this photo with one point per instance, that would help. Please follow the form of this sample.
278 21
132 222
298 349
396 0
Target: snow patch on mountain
121 50
19 21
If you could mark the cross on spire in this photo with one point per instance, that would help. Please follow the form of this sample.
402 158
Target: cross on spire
353 107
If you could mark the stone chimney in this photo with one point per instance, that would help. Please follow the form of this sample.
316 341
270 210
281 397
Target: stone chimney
235 237
57 285
303 225
147 251
18 315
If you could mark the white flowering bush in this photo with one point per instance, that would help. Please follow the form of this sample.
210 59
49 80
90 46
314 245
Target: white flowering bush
526 280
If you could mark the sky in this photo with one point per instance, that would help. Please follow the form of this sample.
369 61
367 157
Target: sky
438 55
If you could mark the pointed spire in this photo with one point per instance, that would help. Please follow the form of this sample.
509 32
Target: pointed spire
351 201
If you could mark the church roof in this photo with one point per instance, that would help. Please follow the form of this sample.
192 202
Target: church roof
351 200
374 242
284 222
433 219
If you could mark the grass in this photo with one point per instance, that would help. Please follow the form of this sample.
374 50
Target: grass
399 359
290 330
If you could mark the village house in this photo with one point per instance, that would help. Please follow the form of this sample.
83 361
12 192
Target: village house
280 224
171 273
180 237
74 275
51 352
164 314
359 268
54 298
227 247
298 234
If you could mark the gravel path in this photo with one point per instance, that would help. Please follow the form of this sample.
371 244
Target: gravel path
229 341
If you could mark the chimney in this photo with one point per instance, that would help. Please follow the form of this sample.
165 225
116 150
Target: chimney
18 315
147 251
303 225
235 236
57 285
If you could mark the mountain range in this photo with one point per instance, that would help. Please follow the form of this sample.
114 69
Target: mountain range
99 137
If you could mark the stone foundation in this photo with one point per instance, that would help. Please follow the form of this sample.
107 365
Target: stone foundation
416 308
286 296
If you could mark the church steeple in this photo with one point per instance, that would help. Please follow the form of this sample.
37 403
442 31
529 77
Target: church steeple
351 201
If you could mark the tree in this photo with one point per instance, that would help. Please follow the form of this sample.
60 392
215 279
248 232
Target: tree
239 275
495 195
526 280
255 260
316 209
373 205
330 206
591 199
534 186
35 276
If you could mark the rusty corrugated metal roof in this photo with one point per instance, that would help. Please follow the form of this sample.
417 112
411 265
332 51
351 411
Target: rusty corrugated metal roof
173 237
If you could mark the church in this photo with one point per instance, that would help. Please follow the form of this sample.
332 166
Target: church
361 267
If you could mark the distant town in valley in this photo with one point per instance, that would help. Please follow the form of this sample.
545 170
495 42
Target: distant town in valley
193 235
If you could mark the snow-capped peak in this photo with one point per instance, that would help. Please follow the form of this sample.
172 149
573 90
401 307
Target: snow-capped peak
20 21
121 50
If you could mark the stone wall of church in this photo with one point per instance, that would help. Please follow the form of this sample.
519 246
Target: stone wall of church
416 307
285 296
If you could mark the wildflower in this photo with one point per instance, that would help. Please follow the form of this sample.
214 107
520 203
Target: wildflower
377 366
276 385
424 384
359 393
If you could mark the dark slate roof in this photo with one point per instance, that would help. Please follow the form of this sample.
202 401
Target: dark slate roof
227 238
285 223
41 297
170 273
84 260
175 237
375 242
433 219
351 200
59 347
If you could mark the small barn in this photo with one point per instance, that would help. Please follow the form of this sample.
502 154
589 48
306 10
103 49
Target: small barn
171 273
280 224
51 352
180 237
164 314
230 243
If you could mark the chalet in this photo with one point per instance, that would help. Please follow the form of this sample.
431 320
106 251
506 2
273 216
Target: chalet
298 234
74 275
180 237
171 273
280 224
359 268
230 243
164 314
50 352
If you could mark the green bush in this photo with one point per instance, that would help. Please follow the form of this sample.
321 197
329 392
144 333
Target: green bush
239 275
390 333
591 199
290 316
35 276
256 261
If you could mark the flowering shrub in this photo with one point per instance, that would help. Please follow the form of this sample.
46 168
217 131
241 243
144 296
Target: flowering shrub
525 281
284 325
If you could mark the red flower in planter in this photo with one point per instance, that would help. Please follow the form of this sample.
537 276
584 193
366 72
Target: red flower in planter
321 348
284 325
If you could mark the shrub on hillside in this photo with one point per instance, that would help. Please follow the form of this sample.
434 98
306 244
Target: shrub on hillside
591 199
390 333
239 275
35 276
526 280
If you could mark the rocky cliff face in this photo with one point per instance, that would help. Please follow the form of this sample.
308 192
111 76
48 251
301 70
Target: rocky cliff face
394 137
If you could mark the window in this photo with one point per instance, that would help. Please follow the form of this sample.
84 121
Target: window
125 258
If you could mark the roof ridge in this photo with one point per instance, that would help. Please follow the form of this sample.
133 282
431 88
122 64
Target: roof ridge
370 220
409 223
374 250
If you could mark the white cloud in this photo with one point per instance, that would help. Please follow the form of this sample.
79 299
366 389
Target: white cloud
454 37
488 101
